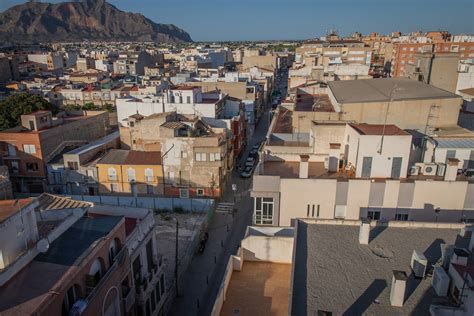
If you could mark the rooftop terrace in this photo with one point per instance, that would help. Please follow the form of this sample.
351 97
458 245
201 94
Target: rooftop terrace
261 288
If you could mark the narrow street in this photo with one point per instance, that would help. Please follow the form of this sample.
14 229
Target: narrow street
202 280
200 285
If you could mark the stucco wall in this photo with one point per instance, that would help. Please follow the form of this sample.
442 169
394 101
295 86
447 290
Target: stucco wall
419 199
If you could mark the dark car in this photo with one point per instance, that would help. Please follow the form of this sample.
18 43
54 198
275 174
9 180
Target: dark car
247 172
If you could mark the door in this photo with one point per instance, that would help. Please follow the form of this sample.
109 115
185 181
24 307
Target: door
450 154
366 167
396 167
470 164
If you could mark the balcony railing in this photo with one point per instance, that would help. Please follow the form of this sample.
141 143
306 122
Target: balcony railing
129 299
119 261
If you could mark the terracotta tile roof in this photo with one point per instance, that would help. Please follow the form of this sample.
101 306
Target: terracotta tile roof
378 129
131 157
52 202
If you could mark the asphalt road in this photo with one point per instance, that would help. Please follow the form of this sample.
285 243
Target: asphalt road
201 282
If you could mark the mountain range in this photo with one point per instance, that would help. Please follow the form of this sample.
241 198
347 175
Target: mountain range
94 20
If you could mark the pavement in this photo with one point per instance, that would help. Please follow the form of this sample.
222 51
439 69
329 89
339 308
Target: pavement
200 284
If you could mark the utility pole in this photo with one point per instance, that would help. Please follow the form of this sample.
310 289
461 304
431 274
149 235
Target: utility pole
176 259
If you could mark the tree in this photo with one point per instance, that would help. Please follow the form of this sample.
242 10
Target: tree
15 105
91 107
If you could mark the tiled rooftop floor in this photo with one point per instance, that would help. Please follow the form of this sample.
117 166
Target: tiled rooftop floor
261 288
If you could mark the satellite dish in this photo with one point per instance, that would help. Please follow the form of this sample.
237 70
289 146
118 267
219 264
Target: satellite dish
42 245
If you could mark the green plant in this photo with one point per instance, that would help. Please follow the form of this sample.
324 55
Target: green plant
15 105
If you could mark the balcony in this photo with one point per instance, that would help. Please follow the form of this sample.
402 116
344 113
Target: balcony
129 299
95 285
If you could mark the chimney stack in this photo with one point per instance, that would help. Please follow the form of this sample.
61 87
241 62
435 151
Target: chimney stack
304 167
397 292
451 169
364 232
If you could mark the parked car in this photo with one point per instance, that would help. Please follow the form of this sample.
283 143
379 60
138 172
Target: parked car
254 153
256 146
250 162
247 172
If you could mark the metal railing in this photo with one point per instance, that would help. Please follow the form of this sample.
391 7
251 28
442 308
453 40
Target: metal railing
119 261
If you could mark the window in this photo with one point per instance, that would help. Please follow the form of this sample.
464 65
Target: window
188 99
113 250
112 173
157 292
149 175
153 301
401 217
73 165
201 157
183 193
15 166
214 157
147 306
11 150
450 154
31 166
131 175
162 284
184 154
200 192
172 99
373 215
263 211
114 187
70 298
150 189
180 99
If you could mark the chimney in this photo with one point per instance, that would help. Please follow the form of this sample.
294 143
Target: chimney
397 292
334 151
451 169
364 231
304 166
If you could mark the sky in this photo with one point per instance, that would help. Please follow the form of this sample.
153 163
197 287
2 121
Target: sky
220 20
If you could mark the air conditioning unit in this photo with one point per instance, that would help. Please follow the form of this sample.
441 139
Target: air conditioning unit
414 170
418 264
440 281
441 169
429 169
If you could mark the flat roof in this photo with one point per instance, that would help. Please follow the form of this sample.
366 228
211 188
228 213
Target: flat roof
38 282
468 91
333 272
379 129
131 157
314 103
97 143
378 90
260 288
11 207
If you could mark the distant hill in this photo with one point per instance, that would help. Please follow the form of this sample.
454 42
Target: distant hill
82 20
